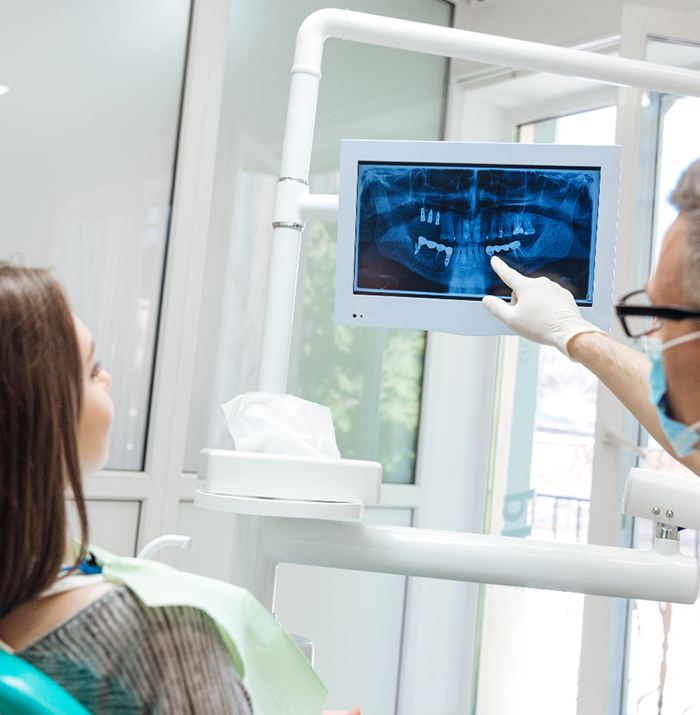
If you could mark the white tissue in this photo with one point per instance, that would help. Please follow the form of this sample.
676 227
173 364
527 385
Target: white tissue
280 424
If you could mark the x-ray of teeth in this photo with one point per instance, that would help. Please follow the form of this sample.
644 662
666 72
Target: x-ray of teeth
432 229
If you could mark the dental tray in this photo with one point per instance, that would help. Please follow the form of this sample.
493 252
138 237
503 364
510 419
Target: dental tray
277 476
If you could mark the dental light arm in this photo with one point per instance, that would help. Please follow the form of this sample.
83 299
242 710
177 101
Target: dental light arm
293 200
479 47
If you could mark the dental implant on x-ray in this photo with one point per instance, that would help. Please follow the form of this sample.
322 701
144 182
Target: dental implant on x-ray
433 229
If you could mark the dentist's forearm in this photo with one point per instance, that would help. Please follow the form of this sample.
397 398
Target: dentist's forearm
624 372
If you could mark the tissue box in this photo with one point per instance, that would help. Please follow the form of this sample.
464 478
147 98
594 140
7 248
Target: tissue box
278 476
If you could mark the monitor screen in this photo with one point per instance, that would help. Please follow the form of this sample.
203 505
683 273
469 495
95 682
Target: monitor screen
418 224
430 229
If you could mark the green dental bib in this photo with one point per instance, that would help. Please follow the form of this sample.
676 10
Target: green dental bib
276 673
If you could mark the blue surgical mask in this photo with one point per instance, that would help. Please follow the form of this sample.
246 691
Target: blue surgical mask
683 437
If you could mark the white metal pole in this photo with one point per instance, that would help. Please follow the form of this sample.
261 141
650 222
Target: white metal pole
323 207
287 227
251 568
418 37
662 574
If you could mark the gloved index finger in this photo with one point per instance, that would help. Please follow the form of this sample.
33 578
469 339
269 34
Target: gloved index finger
508 275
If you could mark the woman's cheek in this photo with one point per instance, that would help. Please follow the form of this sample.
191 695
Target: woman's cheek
98 412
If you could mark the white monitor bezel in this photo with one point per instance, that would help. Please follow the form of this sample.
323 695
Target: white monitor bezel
466 317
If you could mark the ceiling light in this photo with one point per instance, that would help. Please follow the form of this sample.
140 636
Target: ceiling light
4 89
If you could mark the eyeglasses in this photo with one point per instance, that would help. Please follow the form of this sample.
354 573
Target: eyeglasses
640 317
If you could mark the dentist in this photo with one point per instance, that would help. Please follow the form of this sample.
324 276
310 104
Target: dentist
661 389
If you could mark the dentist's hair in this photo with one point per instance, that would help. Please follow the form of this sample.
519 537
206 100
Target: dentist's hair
686 198
41 383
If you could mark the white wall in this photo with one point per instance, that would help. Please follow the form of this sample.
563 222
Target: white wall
88 134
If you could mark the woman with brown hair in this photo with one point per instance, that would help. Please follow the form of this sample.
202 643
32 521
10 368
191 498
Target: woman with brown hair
95 638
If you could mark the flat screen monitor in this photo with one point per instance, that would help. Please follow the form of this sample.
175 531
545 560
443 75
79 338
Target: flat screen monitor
419 222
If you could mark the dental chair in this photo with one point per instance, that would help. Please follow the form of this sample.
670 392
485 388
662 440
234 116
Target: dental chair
25 690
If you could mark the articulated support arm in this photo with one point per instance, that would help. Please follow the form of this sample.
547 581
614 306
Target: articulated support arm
661 574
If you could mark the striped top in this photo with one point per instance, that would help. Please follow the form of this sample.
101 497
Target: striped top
120 656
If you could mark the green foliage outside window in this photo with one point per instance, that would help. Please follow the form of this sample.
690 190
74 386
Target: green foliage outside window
370 378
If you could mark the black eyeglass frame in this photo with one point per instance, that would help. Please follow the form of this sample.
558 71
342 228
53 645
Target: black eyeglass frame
665 312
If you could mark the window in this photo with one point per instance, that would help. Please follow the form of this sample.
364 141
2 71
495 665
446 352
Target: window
542 491
562 453
371 379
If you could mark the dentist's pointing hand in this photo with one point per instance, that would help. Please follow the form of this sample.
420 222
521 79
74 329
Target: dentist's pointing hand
540 309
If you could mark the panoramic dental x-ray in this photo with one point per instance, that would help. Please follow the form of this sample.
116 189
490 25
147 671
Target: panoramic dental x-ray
430 230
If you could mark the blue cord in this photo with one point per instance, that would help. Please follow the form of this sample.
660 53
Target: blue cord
87 566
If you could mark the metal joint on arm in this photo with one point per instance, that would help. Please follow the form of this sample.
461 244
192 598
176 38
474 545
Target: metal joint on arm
288 224
290 191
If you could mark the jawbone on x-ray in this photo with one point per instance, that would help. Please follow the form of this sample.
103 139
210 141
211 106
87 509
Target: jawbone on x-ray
432 229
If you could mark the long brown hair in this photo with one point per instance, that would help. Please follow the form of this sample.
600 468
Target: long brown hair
41 380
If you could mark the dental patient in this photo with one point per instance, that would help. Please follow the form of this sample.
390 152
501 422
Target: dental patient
95 638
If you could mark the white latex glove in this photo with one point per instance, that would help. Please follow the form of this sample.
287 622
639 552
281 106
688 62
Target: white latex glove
540 309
